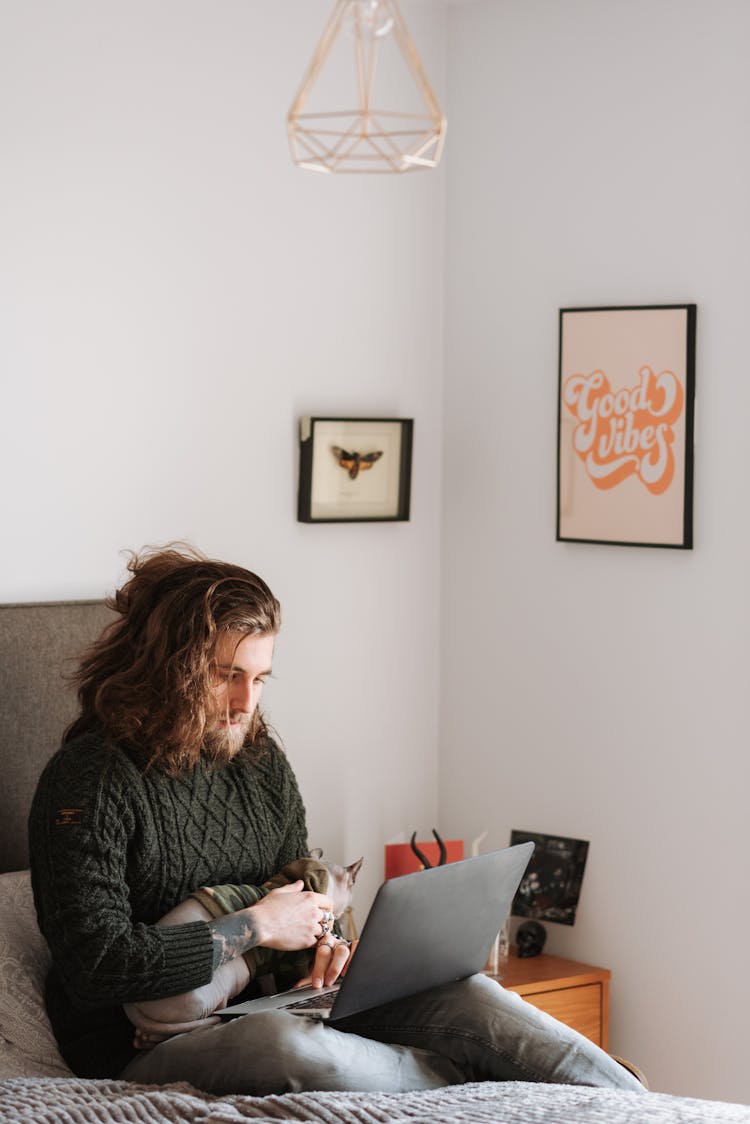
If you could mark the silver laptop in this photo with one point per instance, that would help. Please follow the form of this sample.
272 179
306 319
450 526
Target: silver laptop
424 929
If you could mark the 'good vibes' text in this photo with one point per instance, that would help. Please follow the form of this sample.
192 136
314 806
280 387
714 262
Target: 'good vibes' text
626 431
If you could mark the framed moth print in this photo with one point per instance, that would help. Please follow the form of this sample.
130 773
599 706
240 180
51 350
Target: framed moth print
354 469
625 425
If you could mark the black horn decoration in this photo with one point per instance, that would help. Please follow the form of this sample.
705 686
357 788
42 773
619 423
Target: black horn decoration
426 864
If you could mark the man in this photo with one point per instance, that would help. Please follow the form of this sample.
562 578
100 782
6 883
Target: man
168 781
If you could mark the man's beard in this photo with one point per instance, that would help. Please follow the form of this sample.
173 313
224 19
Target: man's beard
223 742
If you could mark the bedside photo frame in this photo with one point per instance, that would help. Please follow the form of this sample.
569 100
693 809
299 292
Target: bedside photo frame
355 470
626 392
551 885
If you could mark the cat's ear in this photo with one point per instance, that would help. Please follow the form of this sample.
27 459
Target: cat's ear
316 853
354 869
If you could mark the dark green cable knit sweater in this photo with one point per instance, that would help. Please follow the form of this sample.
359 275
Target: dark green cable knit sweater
113 849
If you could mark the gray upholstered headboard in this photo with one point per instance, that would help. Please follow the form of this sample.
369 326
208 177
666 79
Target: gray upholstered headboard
39 644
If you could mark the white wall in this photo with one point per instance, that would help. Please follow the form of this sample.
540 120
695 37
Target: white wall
599 154
174 295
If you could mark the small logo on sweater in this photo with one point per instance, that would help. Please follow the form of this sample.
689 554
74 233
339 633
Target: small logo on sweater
68 817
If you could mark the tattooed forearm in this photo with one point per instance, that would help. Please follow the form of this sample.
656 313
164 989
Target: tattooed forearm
232 935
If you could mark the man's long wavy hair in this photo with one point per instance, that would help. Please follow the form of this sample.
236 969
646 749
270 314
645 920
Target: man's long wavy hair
148 679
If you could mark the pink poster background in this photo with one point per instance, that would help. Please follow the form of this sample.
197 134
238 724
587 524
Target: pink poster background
616 487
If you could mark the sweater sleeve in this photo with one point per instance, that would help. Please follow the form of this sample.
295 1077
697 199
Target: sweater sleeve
79 829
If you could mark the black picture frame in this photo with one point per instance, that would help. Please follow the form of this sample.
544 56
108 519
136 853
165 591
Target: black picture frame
551 885
355 470
625 415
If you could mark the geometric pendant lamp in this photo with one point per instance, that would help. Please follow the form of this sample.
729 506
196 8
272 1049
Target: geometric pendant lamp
365 104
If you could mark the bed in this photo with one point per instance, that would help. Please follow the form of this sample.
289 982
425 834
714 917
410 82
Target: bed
37 643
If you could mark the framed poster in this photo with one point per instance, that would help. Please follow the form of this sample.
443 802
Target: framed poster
551 884
354 469
625 425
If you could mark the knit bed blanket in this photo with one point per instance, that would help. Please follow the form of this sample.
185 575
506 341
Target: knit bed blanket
76 1101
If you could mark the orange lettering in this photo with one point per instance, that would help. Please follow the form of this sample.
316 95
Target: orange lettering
628 432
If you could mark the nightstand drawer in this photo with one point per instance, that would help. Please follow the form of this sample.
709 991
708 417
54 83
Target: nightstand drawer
579 1007
576 994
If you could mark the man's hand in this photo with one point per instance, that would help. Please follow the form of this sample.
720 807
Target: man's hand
332 959
290 917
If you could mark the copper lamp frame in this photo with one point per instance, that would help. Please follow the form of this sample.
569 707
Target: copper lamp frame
366 138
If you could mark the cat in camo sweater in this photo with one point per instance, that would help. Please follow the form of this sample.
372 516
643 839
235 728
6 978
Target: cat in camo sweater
157 1019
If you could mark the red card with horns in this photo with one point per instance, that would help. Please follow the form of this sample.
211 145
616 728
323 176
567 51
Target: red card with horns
400 859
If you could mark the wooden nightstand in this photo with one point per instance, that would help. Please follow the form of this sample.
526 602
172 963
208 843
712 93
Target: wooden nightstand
576 994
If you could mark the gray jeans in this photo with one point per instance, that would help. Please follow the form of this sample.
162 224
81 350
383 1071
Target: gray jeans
470 1030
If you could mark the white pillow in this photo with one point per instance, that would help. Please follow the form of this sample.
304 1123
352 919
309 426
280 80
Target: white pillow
27 1044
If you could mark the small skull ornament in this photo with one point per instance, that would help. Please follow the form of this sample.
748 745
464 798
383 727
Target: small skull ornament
530 938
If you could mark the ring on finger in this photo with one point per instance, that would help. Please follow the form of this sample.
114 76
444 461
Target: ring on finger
323 929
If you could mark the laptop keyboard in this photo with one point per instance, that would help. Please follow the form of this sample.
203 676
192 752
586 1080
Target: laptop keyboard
315 1002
